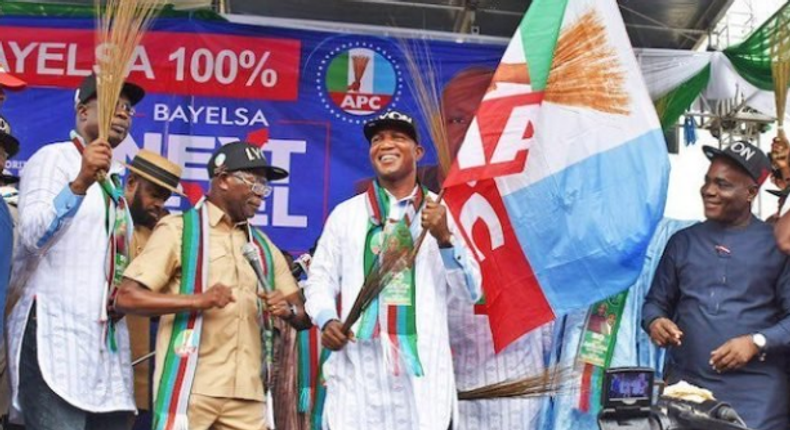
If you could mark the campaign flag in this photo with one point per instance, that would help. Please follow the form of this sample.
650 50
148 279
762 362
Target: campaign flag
562 176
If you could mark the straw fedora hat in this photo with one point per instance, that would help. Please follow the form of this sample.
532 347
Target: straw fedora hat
156 169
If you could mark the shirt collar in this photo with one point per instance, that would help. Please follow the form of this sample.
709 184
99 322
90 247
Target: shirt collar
410 197
217 216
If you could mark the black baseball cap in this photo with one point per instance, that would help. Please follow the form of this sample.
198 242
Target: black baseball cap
87 91
753 160
9 142
391 120
243 156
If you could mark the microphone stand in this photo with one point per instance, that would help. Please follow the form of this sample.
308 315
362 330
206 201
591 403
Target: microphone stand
250 253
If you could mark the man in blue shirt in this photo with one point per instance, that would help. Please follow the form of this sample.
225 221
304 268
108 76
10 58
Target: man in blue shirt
720 299
9 146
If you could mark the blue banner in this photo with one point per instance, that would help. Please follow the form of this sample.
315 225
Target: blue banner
305 93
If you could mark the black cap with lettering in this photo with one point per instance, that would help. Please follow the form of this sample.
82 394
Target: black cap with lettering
749 157
243 156
391 120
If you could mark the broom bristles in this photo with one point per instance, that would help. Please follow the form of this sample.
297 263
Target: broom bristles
550 382
585 70
425 88
119 30
780 67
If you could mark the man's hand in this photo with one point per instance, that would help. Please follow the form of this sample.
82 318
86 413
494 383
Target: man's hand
96 156
277 305
333 337
218 296
734 354
434 219
664 332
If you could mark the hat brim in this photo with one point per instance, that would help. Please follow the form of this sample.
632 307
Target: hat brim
779 193
154 180
271 173
134 92
11 82
375 126
712 152
10 143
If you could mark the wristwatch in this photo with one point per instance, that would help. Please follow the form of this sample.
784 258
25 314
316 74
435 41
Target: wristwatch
760 342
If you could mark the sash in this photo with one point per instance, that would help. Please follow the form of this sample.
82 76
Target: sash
171 400
392 314
119 227
308 349
396 318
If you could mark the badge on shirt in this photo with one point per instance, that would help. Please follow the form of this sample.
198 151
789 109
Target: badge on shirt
186 343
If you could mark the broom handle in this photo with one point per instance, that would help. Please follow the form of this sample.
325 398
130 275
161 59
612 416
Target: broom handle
360 303
421 238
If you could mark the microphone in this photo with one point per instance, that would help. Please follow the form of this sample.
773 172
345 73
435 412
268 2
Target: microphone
301 265
251 255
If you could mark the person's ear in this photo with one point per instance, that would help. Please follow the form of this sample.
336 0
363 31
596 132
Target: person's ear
752 192
222 182
419 152
132 182
82 112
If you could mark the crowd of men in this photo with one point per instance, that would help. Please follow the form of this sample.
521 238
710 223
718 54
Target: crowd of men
96 257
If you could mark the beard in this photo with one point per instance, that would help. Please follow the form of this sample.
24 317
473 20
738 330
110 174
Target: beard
139 215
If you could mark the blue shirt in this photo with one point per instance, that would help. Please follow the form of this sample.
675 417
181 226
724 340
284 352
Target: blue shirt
717 283
6 251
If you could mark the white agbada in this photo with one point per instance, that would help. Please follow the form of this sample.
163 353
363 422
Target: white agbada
362 392
61 262
476 365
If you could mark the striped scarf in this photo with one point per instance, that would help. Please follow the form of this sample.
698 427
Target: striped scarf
119 227
171 400
392 314
397 319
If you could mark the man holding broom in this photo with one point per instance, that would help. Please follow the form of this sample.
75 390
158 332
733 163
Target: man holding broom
70 366
397 373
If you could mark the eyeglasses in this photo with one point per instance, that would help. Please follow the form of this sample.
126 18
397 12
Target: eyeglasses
261 188
125 107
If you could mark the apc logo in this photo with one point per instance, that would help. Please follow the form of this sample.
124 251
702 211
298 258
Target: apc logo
358 80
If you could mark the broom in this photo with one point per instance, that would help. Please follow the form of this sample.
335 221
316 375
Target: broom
119 30
549 383
780 69
585 72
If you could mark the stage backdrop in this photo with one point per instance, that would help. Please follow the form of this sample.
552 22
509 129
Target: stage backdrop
305 93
